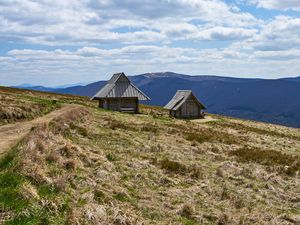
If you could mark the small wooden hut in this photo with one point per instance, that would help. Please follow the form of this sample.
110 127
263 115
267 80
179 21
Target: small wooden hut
185 104
119 94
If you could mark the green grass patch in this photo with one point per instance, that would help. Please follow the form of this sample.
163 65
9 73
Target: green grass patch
46 190
122 197
111 157
9 159
10 196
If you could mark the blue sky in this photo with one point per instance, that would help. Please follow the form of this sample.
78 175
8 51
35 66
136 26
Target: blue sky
54 42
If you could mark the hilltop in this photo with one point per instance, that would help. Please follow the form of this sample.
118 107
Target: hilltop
268 100
92 166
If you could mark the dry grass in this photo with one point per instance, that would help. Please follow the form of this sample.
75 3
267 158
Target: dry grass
100 167
210 135
246 128
14 108
289 164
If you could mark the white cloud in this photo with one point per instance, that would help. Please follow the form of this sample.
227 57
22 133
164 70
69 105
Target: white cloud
140 36
193 32
64 66
277 4
292 54
82 22
280 34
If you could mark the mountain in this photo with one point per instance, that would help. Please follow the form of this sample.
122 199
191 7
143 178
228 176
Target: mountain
88 90
296 79
268 100
35 88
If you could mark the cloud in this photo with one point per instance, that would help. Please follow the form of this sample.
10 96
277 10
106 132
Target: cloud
292 54
94 38
277 4
82 22
282 33
192 32
65 66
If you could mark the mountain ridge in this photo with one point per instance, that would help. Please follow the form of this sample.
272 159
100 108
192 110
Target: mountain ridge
267 100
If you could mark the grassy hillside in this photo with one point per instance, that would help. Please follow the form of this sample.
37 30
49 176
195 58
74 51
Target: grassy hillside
19 105
92 166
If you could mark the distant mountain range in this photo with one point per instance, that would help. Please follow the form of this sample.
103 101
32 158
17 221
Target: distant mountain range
274 101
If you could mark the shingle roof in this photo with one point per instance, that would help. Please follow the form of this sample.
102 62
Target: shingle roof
120 86
179 98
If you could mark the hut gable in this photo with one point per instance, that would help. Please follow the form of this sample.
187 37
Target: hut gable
185 104
119 86
180 98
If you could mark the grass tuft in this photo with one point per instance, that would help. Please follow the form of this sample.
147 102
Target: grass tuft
269 158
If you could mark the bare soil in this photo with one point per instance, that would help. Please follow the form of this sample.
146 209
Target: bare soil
12 133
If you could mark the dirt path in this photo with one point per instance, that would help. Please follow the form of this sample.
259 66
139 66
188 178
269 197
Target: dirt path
205 120
10 134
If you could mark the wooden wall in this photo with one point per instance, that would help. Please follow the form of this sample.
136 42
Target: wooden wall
117 104
189 109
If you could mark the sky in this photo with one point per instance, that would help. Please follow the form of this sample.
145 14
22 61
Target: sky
55 42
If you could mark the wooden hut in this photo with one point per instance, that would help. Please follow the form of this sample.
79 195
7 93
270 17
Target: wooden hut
119 94
184 104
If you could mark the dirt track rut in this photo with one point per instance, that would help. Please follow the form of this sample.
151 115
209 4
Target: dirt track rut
12 133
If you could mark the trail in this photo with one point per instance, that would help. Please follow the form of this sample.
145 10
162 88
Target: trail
12 133
204 120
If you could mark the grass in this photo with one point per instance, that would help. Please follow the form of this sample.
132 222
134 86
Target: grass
245 128
10 196
173 166
210 135
269 158
27 189
15 107
92 166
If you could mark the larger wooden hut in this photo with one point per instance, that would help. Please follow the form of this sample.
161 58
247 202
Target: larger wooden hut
184 104
119 94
